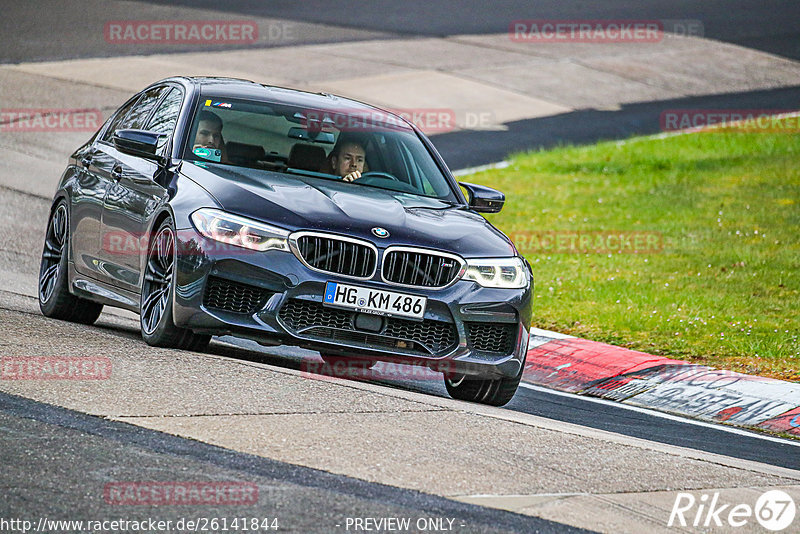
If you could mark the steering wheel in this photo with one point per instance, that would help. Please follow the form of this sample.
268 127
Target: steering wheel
384 180
376 174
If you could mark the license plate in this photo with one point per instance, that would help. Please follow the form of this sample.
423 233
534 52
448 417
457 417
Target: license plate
374 301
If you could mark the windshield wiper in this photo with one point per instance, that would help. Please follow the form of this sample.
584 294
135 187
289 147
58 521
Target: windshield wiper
453 203
312 174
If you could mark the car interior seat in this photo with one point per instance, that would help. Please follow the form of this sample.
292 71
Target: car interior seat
244 154
307 157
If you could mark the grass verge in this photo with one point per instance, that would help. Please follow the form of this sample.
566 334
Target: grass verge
707 266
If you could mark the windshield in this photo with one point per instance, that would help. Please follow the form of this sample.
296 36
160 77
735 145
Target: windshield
364 148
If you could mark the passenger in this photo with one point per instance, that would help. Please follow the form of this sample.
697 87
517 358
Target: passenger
347 158
209 134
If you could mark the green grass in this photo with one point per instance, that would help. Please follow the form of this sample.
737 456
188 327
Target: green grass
723 290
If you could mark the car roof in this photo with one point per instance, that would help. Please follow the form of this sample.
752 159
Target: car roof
219 87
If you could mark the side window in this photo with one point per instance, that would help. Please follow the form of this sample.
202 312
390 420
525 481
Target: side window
165 118
137 118
118 118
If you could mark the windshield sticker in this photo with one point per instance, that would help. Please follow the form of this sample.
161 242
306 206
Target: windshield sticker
211 154
216 104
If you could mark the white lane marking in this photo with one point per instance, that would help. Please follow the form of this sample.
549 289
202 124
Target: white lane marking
547 333
663 135
480 168
696 129
234 342
724 428
534 421
534 342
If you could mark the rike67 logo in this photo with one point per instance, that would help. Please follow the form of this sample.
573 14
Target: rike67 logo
773 510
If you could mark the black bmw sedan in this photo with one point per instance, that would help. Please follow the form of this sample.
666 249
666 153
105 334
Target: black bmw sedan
216 206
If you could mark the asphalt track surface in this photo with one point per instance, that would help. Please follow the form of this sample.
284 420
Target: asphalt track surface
56 462
770 26
584 411
767 25
74 456
61 451
473 148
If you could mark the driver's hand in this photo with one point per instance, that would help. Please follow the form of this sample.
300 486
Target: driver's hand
355 175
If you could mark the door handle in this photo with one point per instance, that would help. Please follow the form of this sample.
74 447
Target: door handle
116 173
86 160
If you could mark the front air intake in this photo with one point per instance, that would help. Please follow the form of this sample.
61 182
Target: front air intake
336 255
235 297
420 268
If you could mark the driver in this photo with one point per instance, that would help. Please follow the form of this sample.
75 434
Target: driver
347 158
209 134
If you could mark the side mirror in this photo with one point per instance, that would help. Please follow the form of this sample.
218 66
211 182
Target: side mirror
141 143
484 199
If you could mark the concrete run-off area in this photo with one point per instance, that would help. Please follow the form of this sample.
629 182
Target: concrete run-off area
460 83
246 402
477 454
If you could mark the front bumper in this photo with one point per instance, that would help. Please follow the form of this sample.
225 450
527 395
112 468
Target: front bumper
272 298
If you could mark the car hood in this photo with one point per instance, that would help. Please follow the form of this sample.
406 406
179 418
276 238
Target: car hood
304 203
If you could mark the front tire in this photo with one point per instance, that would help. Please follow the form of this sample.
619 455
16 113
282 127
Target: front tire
496 392
55 300
158 292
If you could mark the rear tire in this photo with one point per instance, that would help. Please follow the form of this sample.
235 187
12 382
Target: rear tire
158 293
55 300
497 392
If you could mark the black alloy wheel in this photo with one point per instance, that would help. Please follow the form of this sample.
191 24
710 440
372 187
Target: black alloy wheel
495 392
158 288
55 300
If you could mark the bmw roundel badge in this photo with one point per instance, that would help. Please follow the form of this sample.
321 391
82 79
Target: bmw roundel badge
380 232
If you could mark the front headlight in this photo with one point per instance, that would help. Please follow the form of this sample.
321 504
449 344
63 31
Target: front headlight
239 231
508 273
